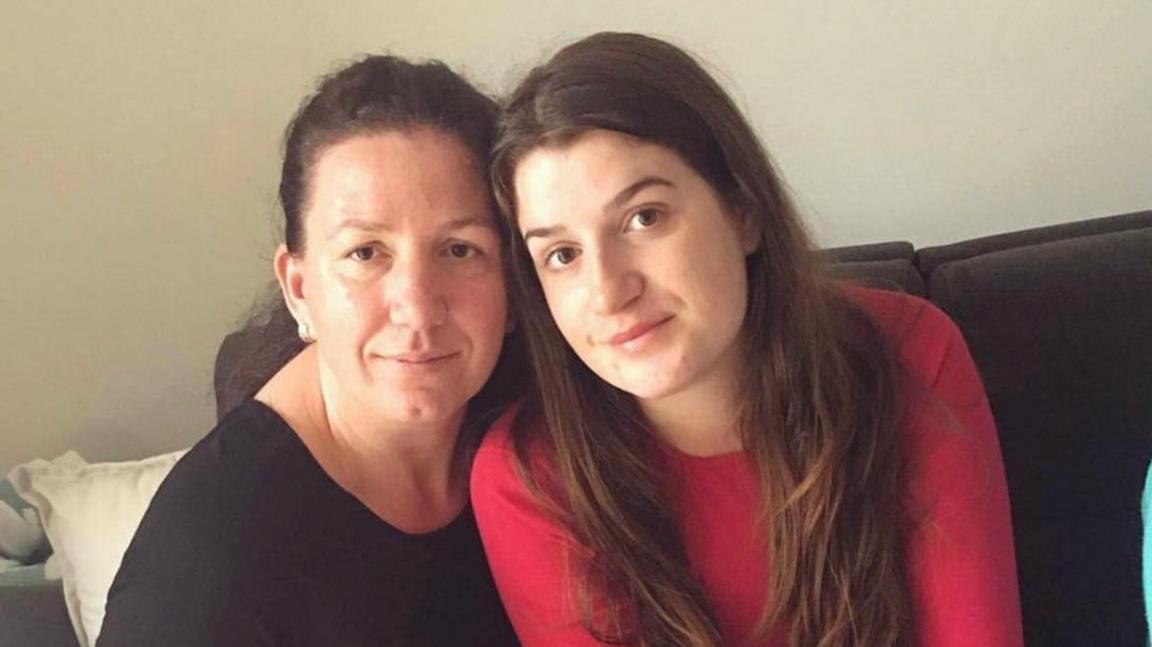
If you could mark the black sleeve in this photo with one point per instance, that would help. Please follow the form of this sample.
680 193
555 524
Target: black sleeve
177 583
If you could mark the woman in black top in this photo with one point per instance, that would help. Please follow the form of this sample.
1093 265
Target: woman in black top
332 508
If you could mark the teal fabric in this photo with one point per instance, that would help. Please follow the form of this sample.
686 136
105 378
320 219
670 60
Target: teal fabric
32 575
9 498
1146 506
8 495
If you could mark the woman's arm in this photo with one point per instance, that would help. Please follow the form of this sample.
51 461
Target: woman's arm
527 551
961 559
176 585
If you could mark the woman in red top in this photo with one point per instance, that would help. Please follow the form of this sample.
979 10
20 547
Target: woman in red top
726 447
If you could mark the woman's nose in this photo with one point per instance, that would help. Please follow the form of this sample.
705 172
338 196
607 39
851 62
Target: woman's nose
416 296
614 283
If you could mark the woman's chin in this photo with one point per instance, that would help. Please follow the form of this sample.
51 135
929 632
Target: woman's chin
647 385
420 408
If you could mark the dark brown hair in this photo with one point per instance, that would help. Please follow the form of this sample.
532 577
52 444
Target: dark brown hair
378 94
818 415
373 95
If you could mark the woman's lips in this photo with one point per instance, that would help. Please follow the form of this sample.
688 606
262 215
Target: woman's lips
636 332
416 360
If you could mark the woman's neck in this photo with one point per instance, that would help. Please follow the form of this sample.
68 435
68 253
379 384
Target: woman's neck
699 421
703 417
408 474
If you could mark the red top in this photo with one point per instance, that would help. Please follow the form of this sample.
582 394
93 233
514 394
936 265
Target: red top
961 563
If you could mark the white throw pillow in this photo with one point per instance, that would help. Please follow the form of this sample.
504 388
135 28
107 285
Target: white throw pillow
90 513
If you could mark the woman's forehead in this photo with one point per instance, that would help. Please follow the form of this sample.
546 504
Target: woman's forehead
385 181
597 171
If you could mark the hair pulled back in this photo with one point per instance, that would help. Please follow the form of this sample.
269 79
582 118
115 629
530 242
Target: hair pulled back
375 94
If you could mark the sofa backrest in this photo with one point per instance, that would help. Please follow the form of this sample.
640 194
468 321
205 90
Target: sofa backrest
890 266
928 258
1062 332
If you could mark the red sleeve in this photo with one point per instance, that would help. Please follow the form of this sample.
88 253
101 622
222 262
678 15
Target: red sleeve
526 550
961 560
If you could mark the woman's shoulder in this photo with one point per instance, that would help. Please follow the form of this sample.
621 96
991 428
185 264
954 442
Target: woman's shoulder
498 438
901 314
920 334
209 521
517 440
245 446
497 454
244 468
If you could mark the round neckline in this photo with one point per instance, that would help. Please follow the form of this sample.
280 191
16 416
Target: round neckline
681 456
351 499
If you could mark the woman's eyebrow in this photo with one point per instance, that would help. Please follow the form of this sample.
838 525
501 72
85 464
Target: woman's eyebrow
631 190
378 226
469 221
356 223
544 232
616 202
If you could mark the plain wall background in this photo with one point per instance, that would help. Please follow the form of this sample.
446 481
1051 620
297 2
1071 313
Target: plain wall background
139 151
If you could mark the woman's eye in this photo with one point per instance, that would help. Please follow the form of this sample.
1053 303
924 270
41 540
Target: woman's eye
561 256
643 219
363 253
461 250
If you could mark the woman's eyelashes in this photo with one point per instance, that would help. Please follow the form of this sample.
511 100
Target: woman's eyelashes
365 253
453 250
460 250
644 218
560 256
639 220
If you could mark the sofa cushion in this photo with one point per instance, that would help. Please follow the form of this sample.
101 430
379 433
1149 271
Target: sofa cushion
889 251
35 616
1062 333
889 266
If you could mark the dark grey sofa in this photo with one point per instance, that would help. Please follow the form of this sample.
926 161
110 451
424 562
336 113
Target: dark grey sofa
34 616
1059 320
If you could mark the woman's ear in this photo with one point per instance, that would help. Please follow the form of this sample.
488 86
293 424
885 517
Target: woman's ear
290 275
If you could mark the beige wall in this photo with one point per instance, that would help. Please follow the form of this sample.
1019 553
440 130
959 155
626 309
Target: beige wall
139 146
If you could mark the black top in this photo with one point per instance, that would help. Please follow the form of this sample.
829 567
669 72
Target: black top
249 542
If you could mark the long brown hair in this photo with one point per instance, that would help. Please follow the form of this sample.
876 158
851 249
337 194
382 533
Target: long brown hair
819 410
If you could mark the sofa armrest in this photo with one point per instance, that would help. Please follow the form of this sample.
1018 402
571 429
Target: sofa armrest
35 616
